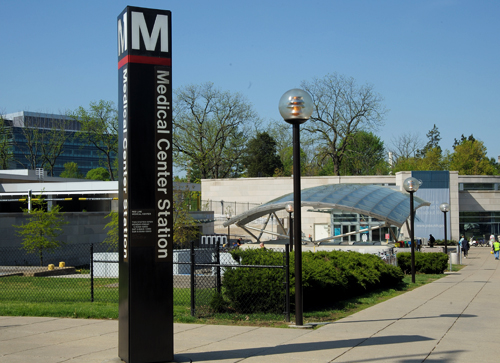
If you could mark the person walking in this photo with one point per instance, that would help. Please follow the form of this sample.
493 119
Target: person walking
460 243
432 240
496 249
465 246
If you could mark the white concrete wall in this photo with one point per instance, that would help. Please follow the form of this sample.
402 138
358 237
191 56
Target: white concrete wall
262 190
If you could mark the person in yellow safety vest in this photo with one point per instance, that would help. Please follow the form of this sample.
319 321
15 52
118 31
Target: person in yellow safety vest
496 249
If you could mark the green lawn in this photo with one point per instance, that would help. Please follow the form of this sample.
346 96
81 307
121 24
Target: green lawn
68 297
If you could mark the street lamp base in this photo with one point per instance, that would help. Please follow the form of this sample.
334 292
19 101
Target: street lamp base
306 326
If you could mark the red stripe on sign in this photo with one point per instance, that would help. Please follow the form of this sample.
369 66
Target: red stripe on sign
144 60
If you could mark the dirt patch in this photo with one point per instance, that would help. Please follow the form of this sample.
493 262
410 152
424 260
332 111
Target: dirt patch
35 271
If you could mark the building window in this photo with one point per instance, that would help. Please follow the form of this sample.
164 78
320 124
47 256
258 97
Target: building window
478 186
479 224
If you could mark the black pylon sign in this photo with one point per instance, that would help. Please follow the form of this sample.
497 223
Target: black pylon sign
145 332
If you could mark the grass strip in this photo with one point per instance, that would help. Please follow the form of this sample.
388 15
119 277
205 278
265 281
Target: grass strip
62 304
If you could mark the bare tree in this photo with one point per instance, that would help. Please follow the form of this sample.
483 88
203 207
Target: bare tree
6 153
341 108
405 146
53 141
211 128
31 146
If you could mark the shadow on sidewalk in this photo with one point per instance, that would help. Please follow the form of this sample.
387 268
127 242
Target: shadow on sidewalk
454 316
299 348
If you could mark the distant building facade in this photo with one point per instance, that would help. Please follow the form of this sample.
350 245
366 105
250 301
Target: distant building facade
74 149
474 203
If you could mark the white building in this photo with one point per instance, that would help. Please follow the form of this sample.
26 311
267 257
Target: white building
474 203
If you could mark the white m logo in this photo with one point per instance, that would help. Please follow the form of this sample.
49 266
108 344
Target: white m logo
139 25
122 35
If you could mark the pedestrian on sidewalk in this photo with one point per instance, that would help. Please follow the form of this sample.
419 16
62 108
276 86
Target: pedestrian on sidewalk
496 249
465 246
462 239
432 240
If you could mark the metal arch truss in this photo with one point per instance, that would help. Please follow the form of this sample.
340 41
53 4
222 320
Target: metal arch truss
263 230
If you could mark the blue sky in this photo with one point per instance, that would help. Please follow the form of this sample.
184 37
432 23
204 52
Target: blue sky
434 61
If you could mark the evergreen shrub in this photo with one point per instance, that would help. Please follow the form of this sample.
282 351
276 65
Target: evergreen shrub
327 277
425 262
450 242
255 289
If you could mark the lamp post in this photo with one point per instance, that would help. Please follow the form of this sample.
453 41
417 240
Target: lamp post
296 106
289 209
411 185
228 216
445 207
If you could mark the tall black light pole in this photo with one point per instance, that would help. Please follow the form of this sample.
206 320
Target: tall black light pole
411 185
228 216
296 106
289 209
445 207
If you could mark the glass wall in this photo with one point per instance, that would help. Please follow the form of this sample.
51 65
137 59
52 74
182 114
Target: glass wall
479 224
351 222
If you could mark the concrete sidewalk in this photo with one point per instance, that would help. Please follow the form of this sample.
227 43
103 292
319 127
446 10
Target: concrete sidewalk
451 320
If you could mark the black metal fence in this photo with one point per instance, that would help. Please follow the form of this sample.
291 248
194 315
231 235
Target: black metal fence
71 273
89 272
201 272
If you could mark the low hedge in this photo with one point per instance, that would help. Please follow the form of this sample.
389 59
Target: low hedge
450 242
426 263
327 277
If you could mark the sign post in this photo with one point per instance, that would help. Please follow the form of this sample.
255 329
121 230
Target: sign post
145 332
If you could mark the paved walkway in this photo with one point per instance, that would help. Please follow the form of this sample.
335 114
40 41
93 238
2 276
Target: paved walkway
451 320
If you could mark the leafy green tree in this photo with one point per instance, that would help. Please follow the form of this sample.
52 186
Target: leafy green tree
43 228
99 127
469 158
433 137
341 108
185 226
287 169
71 171
6 152
97 174
432 160
211 128
463 139
113 229
364 155
282 133
261 159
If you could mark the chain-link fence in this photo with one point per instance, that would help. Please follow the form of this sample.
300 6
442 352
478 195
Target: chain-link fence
213 278
207 279
71 273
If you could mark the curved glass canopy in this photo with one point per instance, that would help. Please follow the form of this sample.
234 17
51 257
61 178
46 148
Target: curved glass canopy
383 203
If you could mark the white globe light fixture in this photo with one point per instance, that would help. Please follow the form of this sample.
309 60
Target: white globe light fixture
411 184
445 207
296 106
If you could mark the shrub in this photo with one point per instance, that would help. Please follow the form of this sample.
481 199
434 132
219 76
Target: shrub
250 289
327 277
450 242
426 263
332 276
